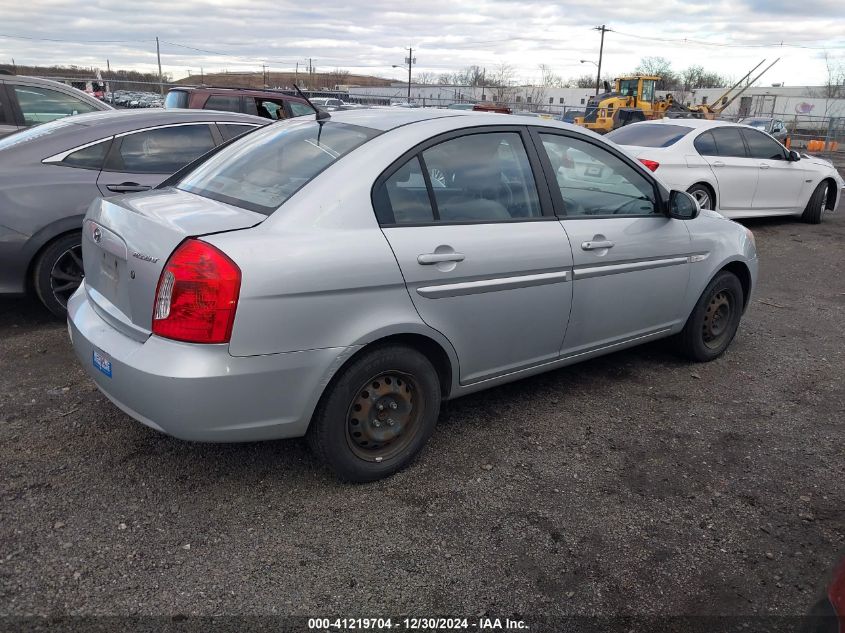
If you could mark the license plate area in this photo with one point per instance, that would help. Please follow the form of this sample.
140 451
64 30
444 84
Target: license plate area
102 362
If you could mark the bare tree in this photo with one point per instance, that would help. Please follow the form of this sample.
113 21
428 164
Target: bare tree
425 78
661 67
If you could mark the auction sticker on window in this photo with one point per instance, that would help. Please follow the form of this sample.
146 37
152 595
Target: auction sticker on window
102 362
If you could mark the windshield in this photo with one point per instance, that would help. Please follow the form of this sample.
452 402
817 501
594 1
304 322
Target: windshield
649 134
263 169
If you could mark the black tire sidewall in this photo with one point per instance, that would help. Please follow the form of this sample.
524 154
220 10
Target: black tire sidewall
44 266
327 433
693 338
813 212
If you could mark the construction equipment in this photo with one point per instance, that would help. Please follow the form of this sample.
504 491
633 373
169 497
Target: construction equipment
633 99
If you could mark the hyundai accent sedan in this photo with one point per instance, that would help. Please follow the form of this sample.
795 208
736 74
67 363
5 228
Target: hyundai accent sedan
737 170
340 278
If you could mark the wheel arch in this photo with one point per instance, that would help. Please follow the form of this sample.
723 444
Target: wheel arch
711 187
42 240
830 203
743 273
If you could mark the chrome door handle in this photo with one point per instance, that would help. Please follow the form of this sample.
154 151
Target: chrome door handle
128 187
717 163
764 166
437 258
593 246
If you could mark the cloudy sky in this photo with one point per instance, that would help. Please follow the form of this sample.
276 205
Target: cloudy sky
369 37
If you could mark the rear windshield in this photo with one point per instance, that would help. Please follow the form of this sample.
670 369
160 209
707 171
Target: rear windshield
176 99
35 132
263 169
649 134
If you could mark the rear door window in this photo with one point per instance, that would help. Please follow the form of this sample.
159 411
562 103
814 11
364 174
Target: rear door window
705 145
42 105
649 134
224 103
232 130
300 109
270 109
90 157
162 150
763 146
729 142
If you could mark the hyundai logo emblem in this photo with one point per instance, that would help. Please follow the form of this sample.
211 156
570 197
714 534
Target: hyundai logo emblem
97 235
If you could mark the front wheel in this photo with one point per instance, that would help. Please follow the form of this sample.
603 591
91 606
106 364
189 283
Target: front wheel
714 320
58 273
815 207
377 415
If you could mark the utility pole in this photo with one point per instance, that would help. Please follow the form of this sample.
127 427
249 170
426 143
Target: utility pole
603 30
296 75
410 61
160 80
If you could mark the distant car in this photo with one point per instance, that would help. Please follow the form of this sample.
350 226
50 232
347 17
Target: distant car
327 101
460 106
774 127
28 101
49 175
312 279
737 170
270 104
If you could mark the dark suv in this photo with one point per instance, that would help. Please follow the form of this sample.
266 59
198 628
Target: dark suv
270 104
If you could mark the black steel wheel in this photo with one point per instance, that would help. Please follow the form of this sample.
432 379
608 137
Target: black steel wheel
714 320
377 414
58 273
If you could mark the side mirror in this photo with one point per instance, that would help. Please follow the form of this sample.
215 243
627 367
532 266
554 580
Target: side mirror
794 156
682 206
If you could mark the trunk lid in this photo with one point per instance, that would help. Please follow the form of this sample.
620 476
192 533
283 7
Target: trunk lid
126 241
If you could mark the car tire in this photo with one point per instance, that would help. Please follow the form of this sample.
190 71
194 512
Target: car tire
377 414
703 194
815 207
58 272
714 321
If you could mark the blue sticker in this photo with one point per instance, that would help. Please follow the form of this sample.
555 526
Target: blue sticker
102 362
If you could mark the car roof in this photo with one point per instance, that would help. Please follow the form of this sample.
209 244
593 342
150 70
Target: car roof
389 118
56 85
693 123
86 128
242 91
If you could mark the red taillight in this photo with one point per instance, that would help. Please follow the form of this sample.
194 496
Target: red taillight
197 295
651 164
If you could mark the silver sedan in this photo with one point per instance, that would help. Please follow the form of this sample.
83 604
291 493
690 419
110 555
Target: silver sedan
340 278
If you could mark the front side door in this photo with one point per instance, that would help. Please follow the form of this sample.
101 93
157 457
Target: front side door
484 259
735 172
780 184
140 160
631 261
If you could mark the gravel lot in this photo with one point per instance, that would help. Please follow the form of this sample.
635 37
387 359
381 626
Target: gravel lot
636 483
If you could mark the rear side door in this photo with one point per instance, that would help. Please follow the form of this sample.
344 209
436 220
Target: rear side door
631 261
484 259
140 160
780 183
735 172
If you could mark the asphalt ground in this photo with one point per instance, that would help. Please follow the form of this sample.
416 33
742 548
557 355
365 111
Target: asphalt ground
636 483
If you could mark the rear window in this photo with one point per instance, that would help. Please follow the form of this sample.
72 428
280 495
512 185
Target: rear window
263 169
176 99
649 135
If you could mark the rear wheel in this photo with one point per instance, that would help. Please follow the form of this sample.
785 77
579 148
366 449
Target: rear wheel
377 415
58 273
714 320
815 207
705 197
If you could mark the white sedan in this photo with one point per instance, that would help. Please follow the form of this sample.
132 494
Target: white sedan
734 169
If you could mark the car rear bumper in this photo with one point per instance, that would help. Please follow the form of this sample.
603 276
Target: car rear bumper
201 392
